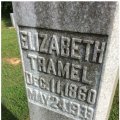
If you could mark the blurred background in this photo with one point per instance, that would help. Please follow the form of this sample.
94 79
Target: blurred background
14 101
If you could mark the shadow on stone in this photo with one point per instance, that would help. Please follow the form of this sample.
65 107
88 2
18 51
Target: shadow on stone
6 114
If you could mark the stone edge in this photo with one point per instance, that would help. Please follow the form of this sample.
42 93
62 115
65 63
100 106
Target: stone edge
109 76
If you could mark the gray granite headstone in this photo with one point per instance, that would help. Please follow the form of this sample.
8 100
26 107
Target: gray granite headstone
69 57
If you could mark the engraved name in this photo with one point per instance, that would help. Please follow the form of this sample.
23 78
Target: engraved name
67 70
63 46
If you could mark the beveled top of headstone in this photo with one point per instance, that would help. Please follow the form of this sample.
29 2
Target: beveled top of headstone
83 17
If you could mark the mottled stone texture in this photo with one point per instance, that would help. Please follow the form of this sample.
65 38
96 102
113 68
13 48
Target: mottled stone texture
82 18
87 17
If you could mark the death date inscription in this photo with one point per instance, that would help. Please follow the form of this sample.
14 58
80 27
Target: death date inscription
62 70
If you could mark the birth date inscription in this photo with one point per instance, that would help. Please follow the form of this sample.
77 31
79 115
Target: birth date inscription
62 70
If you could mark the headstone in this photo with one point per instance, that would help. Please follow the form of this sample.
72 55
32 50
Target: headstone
13 20
69 57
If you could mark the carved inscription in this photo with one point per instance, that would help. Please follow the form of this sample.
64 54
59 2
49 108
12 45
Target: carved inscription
67 47
81 93
61 105
62 70
67 70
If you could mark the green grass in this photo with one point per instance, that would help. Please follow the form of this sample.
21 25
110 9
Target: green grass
9 40
114 114
14 102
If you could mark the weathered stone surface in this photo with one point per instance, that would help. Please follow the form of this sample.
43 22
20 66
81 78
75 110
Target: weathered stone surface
65 47
84 17
109 77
